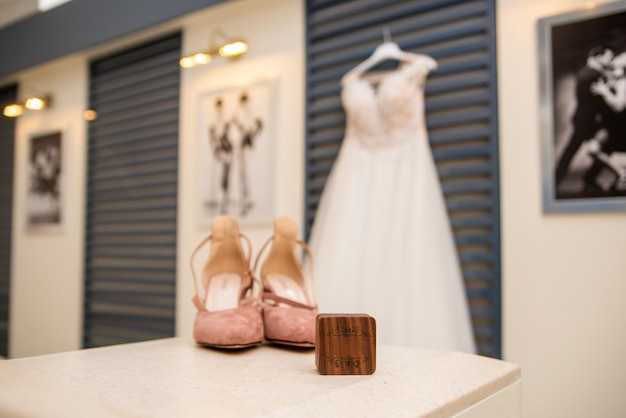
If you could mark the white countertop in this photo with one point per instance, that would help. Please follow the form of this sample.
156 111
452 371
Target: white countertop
176 378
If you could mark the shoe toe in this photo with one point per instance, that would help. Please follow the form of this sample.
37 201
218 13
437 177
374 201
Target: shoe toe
242 326
289 325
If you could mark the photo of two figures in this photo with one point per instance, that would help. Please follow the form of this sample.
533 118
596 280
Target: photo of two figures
589 63
235 154
43 200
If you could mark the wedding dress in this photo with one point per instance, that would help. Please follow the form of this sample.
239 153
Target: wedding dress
381 240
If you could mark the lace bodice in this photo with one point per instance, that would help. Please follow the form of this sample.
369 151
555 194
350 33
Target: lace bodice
387 109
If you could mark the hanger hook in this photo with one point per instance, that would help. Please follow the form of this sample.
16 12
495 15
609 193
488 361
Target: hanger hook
386 34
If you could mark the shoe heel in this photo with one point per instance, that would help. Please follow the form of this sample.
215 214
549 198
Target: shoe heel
289 307
228 316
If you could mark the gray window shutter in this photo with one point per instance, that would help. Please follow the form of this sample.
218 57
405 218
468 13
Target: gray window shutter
130 266
461 114
8 95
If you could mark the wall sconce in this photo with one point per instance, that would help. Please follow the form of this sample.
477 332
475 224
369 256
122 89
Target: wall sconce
228 47
14 110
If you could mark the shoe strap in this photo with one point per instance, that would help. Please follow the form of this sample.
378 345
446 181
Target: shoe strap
307 280
273 297
248 275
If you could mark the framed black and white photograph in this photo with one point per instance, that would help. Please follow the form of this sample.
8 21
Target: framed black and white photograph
44 197
235 153
583 116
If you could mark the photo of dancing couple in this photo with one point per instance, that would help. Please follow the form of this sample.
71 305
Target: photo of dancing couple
44 209
235 154
584 109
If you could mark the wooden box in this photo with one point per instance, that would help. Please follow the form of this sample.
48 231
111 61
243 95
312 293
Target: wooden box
345 344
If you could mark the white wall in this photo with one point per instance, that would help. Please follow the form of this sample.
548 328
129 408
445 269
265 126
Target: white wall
275 31
564 275
46 267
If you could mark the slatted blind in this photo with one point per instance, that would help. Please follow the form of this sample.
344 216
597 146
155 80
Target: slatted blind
461 116
130 263
8 95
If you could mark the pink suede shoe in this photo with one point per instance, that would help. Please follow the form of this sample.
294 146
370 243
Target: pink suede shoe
228 316
289 308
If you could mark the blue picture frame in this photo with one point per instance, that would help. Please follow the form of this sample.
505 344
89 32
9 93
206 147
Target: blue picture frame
576 174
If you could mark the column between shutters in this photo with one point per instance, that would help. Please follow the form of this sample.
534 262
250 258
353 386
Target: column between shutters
8 95
461 115
130 263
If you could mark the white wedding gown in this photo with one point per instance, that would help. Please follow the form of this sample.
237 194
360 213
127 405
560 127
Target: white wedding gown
381 240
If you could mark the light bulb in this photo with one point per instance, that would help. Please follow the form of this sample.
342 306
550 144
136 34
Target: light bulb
13 110
187 62
35 103
233 49
202 58
90 115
